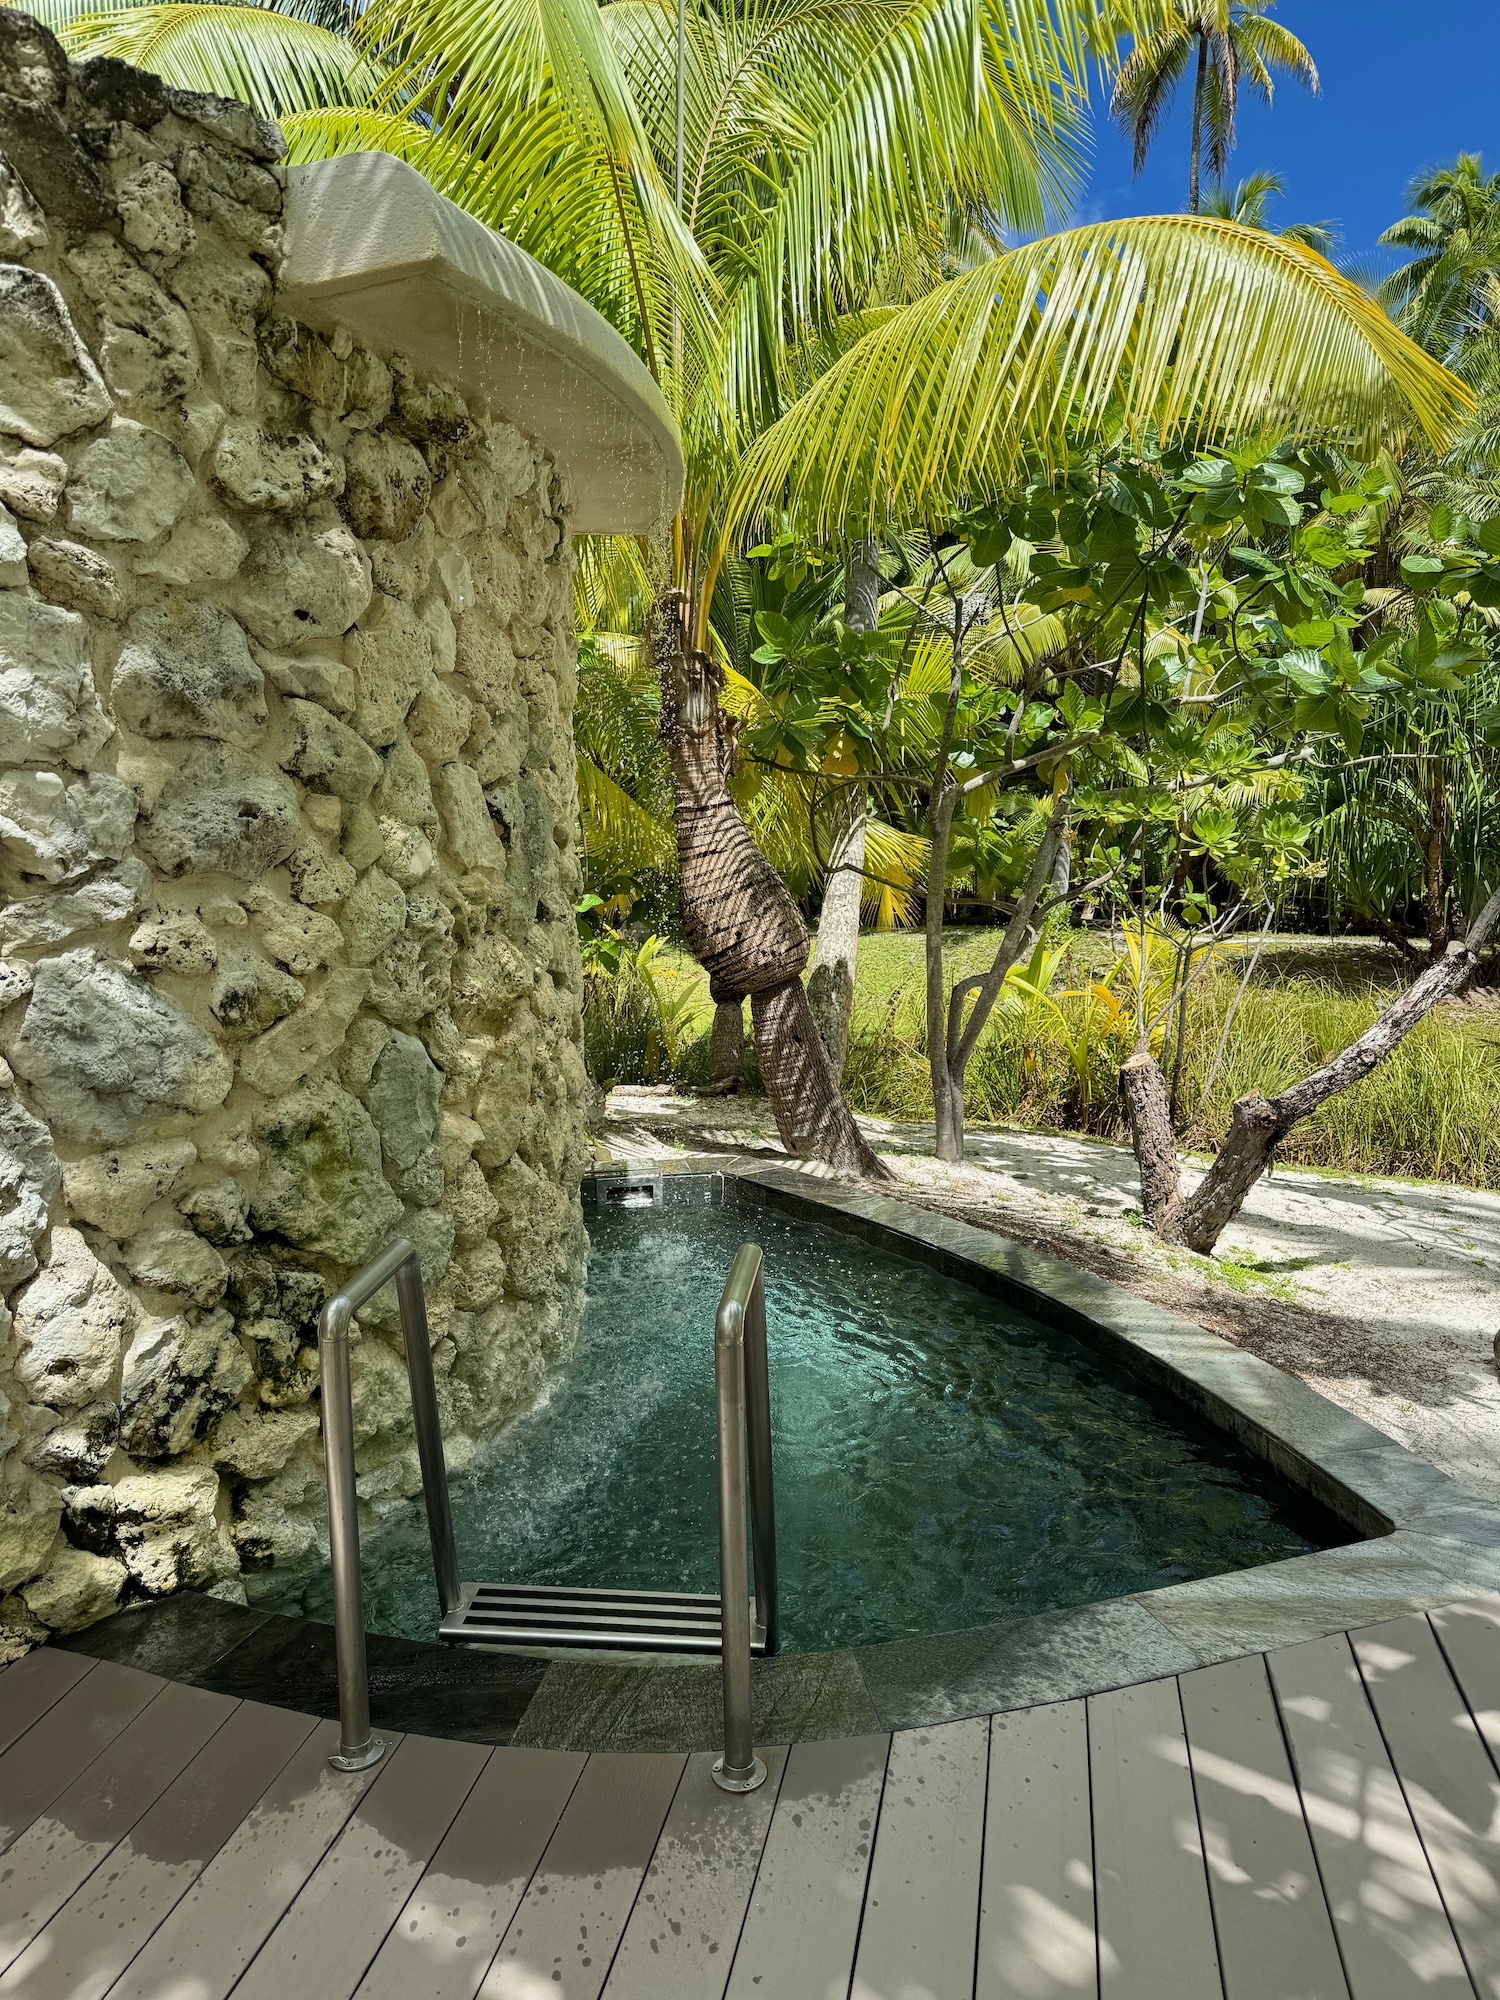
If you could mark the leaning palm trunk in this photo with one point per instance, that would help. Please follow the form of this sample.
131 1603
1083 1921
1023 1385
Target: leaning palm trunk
1258 1124
738 918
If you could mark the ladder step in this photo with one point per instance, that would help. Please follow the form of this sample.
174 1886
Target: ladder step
634 1621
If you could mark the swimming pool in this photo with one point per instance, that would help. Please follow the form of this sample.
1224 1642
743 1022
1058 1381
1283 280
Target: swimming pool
941 1459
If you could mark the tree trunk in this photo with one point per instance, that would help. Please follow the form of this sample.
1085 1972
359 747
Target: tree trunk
830 984
1155 1143
1258 1123
726 1049
739 919
862 587
1434 877
948 1118
1200 82
949 1127
961 1037
811 1116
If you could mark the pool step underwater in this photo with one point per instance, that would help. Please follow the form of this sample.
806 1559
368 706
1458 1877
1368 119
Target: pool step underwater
630 1621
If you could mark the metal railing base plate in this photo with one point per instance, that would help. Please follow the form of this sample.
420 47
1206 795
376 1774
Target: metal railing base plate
359 1760
731 1781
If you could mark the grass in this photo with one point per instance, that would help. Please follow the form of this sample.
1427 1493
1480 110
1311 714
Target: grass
1430 1111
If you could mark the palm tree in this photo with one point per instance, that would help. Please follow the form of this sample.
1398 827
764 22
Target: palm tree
1227 42
1249 204
1448 291
826 142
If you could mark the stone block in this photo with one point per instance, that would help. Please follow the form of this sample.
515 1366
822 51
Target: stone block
115 1190
50 387
48 707
71 1323
185 670
387 487
321 1186
300 583
105 1053
222 812
129 485
297 1045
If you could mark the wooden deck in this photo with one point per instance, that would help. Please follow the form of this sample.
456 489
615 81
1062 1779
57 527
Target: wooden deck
1317 1823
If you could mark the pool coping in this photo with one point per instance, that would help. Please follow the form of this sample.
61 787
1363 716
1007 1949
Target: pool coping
1429 1542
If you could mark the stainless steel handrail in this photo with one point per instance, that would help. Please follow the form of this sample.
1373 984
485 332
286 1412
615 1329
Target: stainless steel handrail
741 1379
358 1749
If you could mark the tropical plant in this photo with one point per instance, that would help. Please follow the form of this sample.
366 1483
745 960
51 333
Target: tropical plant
1226 43
1249 203
284 58
1448 290
637 1015
820 144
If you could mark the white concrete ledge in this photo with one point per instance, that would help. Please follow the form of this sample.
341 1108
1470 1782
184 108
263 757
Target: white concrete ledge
371 246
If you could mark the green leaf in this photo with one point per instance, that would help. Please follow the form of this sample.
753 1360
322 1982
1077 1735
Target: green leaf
1420 572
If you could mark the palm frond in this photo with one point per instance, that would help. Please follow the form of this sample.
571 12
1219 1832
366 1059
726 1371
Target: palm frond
620 834
895 869
1183 322
277 61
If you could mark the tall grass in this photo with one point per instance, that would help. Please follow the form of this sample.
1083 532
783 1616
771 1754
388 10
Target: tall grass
1430 1111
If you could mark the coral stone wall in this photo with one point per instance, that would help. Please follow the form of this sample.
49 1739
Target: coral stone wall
288 962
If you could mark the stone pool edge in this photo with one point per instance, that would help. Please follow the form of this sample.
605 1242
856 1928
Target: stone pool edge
1431 1542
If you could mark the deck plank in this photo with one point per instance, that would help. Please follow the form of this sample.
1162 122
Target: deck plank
1393 1931
1469 1635
803 1922
563 1937
219 1925
680 1941
922 1904
101 1927
46 1863
1156 1934
1447 1777
441 1944
31 1685
329 1936
1036 1906
66 1739
1275 1934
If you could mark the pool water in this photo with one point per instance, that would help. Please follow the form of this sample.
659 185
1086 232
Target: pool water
941 1459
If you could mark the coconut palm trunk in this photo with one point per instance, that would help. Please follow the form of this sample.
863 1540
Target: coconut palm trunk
739 919
1195 162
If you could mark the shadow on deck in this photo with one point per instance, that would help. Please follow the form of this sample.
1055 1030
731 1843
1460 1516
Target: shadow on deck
1320 1822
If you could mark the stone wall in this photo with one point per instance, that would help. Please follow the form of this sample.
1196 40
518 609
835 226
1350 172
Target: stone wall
288 962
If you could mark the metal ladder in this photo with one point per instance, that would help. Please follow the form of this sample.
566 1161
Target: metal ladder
732 1624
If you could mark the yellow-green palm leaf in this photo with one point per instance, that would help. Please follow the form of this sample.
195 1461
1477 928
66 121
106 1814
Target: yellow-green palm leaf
1186 322
275 61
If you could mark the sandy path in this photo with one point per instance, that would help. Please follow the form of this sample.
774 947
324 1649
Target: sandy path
1385 1295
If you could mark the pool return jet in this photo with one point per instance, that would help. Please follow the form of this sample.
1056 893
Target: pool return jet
733 1624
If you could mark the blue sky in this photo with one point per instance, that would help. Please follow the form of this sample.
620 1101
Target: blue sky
1403 87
